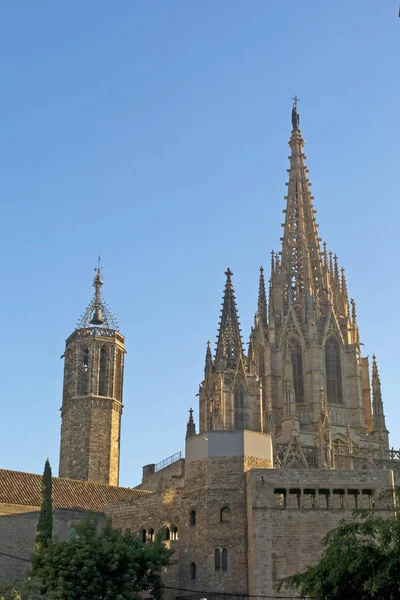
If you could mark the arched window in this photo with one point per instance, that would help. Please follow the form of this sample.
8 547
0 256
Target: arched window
102 372
225 515
239 407
224 559
118 375
174 533
333 371
84 374
150 535
85 360
217 559
192 571
296 356
166 534
143 536
192 518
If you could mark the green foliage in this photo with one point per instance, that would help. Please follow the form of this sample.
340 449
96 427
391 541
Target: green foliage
30 589
106 564
361 561
44 531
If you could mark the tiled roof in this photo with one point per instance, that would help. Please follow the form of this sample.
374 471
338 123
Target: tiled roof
24 489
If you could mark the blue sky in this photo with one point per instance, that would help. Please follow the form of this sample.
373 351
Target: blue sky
158 131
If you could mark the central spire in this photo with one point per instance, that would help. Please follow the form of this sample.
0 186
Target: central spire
229 344
301 263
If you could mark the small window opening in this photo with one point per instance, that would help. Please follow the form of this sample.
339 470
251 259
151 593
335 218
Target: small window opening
143 536
294 498
355 494
280 498
150 535
224 559
309 498
367 499
192 571
166 534
324 498
174 533
338 498
217 559
225 515
192 518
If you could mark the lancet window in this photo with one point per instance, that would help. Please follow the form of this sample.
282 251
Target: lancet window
103 372
239 407
83 377
118 375
296 356
333 371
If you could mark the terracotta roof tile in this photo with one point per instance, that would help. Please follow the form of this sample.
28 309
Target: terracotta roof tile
24 489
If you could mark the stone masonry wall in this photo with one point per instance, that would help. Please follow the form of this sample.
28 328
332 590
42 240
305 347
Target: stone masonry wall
18 531
291 511
170 476
211 484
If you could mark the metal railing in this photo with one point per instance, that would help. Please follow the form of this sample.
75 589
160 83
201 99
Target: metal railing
168 461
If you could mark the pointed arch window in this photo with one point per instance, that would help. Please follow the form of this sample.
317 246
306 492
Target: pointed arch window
118 376
296 356
239 407
333 371
102 372
83 377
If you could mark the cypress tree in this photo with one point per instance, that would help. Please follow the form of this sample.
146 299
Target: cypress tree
44 530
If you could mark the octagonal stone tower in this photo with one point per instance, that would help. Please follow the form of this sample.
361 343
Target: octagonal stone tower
92 395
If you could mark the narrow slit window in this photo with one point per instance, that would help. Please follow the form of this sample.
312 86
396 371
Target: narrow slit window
217 559
224 559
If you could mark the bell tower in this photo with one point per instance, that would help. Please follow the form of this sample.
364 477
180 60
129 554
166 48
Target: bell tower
92 395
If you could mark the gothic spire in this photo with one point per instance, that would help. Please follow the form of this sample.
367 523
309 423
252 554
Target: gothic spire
191 426
301 264
98 313
262 299
377 402
209 362
229 344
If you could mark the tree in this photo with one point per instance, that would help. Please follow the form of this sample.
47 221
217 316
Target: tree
360 561
23 590
44 530
106 564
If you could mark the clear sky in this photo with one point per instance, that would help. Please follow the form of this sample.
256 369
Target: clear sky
158 132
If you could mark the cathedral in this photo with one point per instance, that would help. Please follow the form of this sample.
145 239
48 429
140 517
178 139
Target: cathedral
291 435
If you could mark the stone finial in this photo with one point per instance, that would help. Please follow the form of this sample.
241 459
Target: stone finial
191 426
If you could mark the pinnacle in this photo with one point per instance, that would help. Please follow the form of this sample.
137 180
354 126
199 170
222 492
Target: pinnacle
262 298
229 344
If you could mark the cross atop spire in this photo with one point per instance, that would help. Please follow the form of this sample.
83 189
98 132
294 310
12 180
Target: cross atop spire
98 313
295 114
229 344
